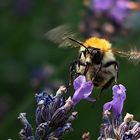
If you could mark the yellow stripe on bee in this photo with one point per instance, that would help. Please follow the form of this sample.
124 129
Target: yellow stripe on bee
99 43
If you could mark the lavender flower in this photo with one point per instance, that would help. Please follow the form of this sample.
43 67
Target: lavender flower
82 89
100 5
52 117
127 129
113 127
120 10
105 18
116 105
53 121
26 132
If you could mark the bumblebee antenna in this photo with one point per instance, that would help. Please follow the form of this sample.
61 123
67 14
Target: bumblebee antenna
79 43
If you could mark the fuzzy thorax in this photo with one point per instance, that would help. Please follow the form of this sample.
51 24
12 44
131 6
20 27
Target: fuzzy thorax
99 43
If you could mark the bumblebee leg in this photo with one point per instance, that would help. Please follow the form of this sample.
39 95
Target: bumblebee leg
86 69
96 73
72 71
106 86
117 71
99 68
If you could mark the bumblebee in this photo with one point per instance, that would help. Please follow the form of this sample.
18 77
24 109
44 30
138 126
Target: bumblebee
96 58
97 62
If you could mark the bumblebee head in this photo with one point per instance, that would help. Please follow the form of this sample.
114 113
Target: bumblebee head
94 49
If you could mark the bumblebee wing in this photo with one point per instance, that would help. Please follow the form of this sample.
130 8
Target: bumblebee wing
132 55
61 35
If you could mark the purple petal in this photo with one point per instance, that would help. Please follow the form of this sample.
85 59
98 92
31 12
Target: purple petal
83 90
116 105
122 87
76 97
86 89
78 81
101 5
120 10
107 106
119 91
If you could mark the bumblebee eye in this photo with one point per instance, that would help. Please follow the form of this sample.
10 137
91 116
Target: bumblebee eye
97 57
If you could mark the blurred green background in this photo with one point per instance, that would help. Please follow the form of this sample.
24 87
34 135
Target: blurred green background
24 50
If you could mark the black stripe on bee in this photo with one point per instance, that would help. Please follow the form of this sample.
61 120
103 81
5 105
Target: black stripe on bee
111 63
